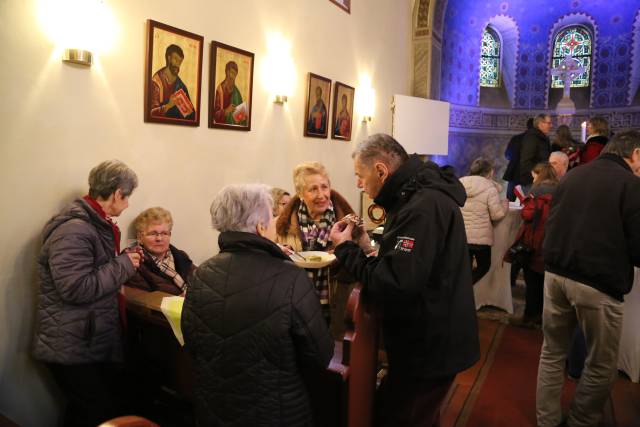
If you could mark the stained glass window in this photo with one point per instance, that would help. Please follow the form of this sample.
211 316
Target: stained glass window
490 59
574 41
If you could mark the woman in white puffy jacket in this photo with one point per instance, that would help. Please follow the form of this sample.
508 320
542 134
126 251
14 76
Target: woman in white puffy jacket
483 206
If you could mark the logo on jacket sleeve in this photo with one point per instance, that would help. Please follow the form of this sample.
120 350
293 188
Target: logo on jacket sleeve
405 244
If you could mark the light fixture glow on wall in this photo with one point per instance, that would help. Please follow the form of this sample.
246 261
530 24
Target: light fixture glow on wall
279 70
79 28
365 99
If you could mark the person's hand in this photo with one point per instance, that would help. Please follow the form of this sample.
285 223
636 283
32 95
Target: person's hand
286 249
229 109
134 257
364 241
169 105
341 232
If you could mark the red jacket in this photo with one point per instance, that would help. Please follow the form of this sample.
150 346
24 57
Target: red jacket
592 148
534 212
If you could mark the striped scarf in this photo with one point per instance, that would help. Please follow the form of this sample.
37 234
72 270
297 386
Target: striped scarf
316 238
167 265
315 234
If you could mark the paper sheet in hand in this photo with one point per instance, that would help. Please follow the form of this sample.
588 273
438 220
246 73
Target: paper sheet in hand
172 309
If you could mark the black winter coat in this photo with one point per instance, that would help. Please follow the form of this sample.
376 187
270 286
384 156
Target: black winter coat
80 276
251 318
421 278
593 230
512 153
535 148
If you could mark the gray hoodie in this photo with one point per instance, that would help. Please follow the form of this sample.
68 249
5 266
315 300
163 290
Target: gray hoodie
80 276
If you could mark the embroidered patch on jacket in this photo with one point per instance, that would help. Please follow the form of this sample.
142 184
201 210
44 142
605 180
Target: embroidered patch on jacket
405 244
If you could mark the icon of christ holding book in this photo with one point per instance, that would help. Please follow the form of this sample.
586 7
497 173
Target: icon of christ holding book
228 106
170 97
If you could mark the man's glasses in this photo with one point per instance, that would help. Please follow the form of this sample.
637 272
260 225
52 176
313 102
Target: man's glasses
154 234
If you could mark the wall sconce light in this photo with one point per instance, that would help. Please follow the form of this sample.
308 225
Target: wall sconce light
366 99
280 99
78 56
279 71
79 29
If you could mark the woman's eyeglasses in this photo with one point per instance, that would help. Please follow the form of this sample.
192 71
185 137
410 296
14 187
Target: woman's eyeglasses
163 234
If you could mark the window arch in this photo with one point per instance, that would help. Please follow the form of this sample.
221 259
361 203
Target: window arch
577 42
490 59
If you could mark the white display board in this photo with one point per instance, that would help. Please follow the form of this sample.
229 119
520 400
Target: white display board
421 125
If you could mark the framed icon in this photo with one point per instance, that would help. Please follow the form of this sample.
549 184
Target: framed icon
316 117
230 87
173 75
343 4
342 117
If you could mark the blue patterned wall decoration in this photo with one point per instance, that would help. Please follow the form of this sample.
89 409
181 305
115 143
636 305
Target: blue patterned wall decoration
634 84
612 22
438 17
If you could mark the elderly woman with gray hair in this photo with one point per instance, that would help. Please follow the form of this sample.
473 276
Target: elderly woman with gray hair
251 319
164 267
305 222
81 271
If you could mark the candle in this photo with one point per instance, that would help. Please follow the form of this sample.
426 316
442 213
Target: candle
584 131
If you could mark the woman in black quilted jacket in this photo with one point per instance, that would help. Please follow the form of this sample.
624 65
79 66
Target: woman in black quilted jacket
251 318
81 270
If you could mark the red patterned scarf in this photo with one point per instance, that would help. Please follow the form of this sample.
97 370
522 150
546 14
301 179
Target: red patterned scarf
114 227
116 238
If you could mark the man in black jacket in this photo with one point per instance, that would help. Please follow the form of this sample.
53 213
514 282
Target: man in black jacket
420 279
535 148
512 153
592 243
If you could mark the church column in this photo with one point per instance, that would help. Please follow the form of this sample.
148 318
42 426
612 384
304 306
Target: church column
427 48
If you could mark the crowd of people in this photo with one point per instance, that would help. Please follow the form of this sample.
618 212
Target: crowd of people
577 247
252 319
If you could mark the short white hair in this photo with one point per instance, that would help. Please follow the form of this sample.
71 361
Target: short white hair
561 156
241 207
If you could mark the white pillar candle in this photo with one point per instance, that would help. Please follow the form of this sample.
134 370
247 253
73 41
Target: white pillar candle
584 131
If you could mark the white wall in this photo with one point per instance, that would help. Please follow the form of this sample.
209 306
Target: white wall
58 121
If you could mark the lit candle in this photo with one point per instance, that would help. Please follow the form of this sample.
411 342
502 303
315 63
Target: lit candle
584 131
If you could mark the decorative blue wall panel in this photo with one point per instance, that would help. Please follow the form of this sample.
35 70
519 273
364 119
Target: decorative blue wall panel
462 38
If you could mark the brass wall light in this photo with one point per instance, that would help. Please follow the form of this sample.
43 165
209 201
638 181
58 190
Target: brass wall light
78 56
279 71
366 99
81 30
280 99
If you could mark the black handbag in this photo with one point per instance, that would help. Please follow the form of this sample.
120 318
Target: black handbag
519 253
